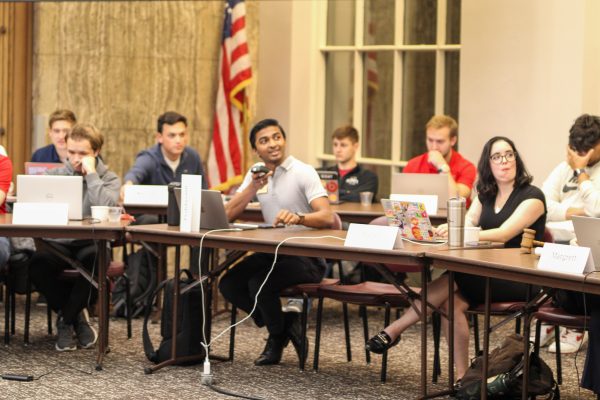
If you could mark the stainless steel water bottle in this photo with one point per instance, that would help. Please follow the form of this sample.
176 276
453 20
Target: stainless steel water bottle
174 203
457 209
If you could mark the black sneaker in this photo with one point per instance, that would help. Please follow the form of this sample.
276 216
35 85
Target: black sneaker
65 332
86 335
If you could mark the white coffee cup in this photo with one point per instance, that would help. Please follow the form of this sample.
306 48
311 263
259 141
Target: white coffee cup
114 214
472 235
100 213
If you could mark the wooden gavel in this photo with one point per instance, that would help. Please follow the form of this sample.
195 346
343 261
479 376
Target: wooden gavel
528 242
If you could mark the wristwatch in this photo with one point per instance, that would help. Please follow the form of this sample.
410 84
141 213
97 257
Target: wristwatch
301 216
579 171
444 169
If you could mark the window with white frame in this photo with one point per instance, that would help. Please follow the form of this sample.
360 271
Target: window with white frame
389 65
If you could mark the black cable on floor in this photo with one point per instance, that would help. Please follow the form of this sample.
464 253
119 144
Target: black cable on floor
233 394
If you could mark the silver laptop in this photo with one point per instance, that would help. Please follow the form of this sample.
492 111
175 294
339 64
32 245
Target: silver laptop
52 189
213 215
412 219
432 184
587 231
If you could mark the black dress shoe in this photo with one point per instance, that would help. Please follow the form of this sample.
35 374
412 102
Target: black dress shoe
273 350
293 328
381 342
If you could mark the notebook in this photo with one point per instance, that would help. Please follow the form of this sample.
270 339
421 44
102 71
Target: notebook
586 231
412 219
213 215
419 184
331 183
52 189
39 168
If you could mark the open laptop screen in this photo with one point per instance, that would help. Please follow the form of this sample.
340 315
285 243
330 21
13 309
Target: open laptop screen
52 189
39 168
420 184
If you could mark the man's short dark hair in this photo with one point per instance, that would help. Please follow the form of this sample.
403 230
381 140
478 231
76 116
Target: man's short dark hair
347 131
260 125
170 118
585 133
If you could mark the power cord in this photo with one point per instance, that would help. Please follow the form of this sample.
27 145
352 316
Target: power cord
30 378
207 377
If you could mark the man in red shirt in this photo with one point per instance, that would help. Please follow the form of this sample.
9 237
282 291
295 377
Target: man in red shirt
441 158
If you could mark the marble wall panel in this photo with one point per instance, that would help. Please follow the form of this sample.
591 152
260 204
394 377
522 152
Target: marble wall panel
119 65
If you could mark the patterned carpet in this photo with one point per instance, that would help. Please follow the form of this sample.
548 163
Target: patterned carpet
71 375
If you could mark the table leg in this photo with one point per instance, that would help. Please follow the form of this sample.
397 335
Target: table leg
102 296
526 332
424 330
451 331
486 340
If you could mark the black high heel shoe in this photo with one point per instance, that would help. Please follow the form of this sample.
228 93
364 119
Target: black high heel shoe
381 342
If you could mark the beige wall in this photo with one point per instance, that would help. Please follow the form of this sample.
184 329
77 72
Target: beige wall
119 65
528 69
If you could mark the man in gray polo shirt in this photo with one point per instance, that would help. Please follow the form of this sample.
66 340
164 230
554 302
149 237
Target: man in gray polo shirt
291 193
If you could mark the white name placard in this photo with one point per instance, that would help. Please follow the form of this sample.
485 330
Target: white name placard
374 237
191 196
56 214
147 195
430 200
566 259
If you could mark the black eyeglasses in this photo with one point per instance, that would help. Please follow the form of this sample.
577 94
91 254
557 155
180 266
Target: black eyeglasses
509 156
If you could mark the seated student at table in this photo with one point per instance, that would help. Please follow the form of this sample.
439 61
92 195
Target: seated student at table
352 177
506 204
6 170
291 193
441 133
70 298
168 159
573 188
60 123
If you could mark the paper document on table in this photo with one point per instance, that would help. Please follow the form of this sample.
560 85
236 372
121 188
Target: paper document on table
562 231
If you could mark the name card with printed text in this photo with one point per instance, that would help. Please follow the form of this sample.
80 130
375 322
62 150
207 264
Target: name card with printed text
55 214
566 259
191 196
374 237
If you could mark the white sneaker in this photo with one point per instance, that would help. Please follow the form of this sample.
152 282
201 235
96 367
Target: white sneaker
570 342
546 335
293 305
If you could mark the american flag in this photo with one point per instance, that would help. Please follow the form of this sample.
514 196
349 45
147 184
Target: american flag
235 74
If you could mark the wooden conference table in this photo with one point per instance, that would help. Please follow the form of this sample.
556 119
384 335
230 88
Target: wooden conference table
102 232
348 212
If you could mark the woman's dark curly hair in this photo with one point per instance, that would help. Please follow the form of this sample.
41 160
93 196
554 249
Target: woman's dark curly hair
585 133
487 188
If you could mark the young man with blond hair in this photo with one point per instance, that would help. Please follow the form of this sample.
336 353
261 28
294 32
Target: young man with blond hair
441 158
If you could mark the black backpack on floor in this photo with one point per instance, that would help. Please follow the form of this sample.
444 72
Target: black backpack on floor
189 332
505 374
141 269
